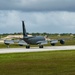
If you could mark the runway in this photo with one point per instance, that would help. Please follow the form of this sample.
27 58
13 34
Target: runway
35 49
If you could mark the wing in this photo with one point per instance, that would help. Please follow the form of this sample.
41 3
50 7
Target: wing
20 42
7 42
42 42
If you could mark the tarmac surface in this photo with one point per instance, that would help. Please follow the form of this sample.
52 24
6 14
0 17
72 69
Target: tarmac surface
35 49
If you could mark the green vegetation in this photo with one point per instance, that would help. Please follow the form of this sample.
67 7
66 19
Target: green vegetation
11 46
41 63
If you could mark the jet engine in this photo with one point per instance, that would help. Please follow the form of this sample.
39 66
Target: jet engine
7 42
53 42
62 41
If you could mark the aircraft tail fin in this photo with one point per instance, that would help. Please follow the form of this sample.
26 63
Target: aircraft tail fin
24 30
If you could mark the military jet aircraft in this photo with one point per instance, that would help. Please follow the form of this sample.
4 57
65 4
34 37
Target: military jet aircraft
32 40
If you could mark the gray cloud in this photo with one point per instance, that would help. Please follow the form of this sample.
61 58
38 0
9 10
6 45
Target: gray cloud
52 22
38 5
39 15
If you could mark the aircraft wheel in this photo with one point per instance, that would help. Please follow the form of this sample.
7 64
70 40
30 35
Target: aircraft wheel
27 46
41 46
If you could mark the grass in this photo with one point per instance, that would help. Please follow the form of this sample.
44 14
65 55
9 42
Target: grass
40 63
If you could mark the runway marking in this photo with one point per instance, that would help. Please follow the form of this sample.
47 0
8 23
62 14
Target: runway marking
36 49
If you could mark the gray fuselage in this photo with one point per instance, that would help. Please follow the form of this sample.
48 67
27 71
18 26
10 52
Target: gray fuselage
34 40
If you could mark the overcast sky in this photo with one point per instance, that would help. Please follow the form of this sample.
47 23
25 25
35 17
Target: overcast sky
52 16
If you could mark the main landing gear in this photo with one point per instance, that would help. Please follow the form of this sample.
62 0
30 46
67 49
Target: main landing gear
28 46
40 46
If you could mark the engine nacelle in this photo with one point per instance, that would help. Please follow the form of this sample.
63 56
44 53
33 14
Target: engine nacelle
53 42
62 41
7 42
